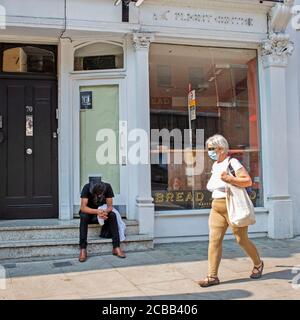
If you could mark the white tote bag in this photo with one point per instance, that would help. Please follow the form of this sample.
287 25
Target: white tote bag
239 206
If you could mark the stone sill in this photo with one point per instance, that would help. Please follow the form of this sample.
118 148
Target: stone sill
198 212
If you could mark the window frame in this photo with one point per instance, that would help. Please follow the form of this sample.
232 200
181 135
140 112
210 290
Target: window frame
116 70
231 46
51 48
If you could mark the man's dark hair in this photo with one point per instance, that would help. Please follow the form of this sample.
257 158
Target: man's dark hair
98 191
99 188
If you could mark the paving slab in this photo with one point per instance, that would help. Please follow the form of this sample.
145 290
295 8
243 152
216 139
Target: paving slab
151 274
169 272
38 287
99 283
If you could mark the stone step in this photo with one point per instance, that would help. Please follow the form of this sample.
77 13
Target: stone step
68 247
51 229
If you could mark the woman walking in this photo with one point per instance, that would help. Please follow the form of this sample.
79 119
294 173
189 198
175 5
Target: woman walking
218 148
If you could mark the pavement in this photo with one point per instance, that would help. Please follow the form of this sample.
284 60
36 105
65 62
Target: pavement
169 272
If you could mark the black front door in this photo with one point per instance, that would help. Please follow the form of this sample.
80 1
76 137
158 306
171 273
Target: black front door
28 148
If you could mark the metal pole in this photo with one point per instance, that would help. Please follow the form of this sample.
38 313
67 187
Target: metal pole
191 148
190 122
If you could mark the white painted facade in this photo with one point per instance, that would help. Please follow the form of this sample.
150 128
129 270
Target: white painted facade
90 21
293 119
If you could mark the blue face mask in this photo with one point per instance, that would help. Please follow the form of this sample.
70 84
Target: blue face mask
213 155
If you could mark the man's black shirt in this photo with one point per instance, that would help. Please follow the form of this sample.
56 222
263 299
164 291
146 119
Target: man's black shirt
85 193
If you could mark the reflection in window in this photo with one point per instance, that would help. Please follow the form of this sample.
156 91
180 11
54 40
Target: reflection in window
99 56
225 81
164 78
28 59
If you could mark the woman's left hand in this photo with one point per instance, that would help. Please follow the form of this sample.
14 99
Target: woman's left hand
226 177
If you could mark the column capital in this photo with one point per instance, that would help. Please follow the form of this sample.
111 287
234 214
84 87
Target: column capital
142 40
276 50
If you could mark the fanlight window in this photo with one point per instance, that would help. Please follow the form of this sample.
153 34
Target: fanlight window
99 56
28 59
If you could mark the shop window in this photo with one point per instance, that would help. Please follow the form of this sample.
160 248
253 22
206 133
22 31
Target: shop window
99 56
226 85
28 59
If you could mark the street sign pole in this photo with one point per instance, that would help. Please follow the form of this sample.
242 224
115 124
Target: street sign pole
190 96
191 108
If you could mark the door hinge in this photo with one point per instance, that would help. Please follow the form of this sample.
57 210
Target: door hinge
57 113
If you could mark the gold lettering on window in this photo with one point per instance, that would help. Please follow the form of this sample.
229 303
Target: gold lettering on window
199 196
159 197
189 196
170 197
180 196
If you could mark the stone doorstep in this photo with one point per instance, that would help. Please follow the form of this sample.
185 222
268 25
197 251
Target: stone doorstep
52 229
64 247
32 224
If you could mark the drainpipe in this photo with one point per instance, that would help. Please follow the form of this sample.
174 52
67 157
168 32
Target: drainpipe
65 23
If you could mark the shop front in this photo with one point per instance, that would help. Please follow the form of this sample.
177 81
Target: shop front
226 84
115 78
230 58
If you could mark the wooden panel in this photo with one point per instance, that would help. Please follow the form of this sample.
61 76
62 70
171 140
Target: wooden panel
30 190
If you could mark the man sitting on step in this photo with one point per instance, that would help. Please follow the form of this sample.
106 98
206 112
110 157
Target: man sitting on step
94 195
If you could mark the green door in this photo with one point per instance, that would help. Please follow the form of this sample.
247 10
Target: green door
103 114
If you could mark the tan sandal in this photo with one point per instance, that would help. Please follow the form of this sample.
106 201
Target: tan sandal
209 281
258 274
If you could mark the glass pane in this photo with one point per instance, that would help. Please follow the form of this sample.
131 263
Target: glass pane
98 56
225 81
28 59
99 110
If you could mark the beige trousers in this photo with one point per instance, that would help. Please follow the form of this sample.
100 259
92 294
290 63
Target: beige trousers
218 224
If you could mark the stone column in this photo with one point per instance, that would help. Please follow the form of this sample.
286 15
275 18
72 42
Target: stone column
144 200
65 63
275 51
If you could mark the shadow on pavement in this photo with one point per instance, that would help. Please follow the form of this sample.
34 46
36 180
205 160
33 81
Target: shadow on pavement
162 254
278 275
212 295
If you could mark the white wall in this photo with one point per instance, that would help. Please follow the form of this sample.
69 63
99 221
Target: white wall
194 226
293 102
34 8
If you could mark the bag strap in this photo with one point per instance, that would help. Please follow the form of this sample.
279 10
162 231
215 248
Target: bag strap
230 167
248 189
